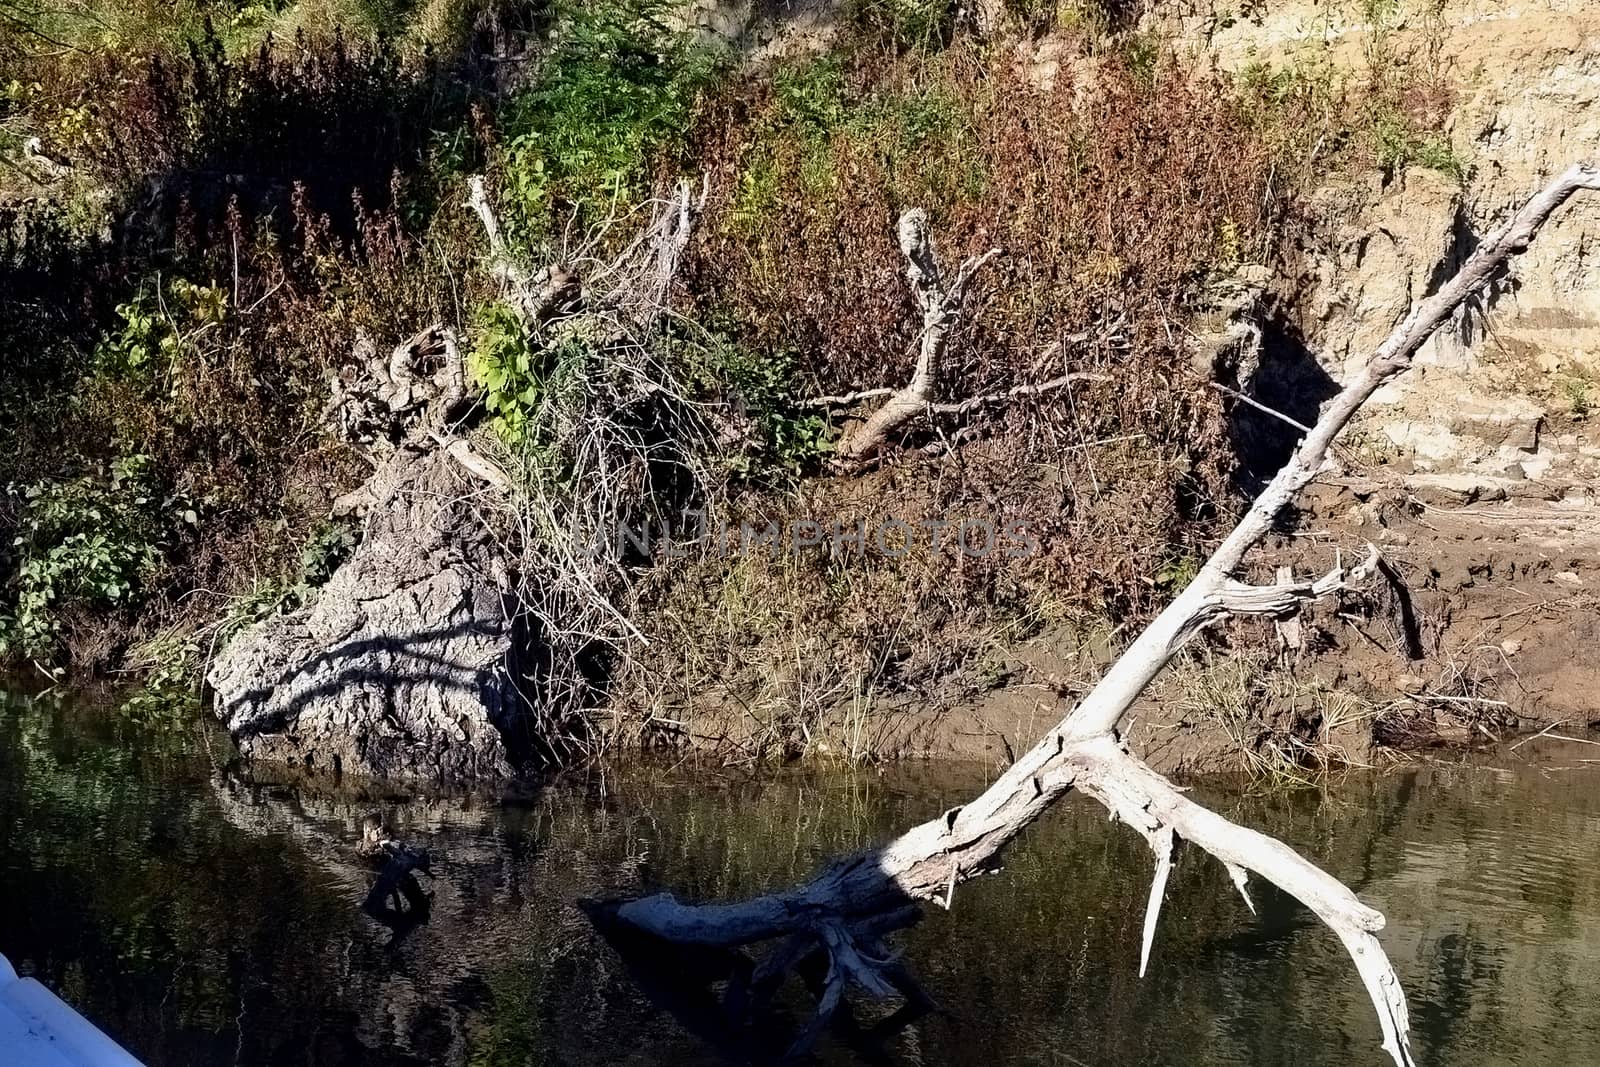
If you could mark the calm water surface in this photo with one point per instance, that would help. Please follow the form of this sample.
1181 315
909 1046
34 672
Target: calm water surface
204 919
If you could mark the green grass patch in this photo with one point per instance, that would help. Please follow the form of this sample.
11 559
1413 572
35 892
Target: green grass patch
921 133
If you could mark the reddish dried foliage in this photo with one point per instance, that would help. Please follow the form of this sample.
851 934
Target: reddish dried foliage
1112 201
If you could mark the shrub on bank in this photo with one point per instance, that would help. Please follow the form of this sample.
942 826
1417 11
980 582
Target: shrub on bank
278 203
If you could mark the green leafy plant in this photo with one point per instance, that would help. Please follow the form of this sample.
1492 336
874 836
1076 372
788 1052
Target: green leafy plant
619 84
330 544
809 103
86 541
810 98
788 440
906 23
1179 569
922 136
510 371
1578 399
168 695
159 326
1398 142
1142 54
264 598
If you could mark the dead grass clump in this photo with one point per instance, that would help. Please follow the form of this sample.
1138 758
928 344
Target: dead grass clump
1281 727
1465 704
778 651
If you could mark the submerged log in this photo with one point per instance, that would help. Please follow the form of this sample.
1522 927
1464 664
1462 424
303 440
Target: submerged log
845 909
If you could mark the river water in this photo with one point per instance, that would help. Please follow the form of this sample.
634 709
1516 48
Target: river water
201 918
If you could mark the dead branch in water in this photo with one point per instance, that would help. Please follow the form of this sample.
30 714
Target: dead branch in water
844 911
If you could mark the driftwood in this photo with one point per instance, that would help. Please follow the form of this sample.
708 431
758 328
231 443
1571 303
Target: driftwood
940 301
399 409
403 664
845 910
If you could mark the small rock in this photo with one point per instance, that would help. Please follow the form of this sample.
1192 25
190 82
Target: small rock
1511 646
1508 421
1410 683
1536 467
1454 489
1568 577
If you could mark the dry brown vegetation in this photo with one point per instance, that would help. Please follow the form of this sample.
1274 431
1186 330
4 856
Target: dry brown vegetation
1117 195
309 193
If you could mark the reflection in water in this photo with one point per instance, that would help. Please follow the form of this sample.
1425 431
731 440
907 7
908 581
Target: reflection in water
199 918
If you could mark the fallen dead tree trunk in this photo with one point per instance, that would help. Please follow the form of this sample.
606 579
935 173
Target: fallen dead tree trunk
845 910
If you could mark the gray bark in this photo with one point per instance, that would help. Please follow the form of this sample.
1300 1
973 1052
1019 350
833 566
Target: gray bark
941 308
404 666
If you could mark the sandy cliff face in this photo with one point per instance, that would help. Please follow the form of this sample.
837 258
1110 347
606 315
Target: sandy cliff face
1500 404
1479 471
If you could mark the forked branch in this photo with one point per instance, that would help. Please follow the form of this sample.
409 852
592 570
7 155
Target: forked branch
940 301
941 305
1083 750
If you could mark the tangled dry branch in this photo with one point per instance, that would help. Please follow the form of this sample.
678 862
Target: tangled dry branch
612 442
844 911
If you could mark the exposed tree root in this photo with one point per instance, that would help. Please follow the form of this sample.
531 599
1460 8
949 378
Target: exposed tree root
454 642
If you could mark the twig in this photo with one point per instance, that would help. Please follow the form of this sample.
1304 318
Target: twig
962 407
1574 740
1463 700
1259 406
846 399
1541 733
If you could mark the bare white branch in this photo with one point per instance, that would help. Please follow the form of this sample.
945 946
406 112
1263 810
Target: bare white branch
1017 392
1161 842
1150 803
1240 878
1083 750
941 308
